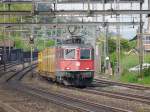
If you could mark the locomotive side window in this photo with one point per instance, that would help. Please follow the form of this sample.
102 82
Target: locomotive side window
69 53
85 54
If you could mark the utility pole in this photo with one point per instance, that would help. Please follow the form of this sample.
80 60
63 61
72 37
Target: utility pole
148 17
105 45
31 54
32 45
89 8
141 43
33 6
4 50
4 47
118 51
22 56
118 68
9 44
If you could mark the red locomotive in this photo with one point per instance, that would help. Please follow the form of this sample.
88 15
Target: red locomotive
71 63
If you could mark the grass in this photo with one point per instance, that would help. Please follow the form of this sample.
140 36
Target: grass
24 7
129 61
145 81
133 78
130 77
13 7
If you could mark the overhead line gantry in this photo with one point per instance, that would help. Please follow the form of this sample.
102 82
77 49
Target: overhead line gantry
70 1
75 12
62 24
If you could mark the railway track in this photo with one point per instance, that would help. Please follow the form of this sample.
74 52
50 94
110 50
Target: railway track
72 102
6 76
8 65
7 108
17 76
113 94
118 95
132 86
9 70
68 101
58 98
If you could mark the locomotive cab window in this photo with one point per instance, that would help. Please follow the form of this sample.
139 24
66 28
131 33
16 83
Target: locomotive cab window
70 53
85 54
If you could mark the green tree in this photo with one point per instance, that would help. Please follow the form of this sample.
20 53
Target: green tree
132 44
124 43
111 45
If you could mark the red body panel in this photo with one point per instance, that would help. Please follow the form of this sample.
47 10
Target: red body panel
76 64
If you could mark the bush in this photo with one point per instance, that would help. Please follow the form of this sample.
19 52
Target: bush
145 81
129 77
146 72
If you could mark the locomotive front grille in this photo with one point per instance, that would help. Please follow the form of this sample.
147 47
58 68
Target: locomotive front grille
83 74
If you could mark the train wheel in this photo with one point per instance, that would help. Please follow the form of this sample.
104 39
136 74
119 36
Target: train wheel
39 77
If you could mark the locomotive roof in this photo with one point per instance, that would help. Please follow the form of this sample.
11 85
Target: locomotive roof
76 46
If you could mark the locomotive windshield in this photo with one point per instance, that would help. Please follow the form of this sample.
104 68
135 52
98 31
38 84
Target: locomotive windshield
85 54
69 53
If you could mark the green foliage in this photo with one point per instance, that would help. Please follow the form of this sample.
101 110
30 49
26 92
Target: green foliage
13 7
128 61
146 72
1 37
20 44
129 77
145 81
11 19
41 44
16 6
147 58
111 45
125 44
131 61
113 59
50 43
132 44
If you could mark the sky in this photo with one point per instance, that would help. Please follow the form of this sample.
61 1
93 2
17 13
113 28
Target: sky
126 31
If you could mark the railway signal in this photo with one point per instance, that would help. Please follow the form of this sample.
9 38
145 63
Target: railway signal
31 40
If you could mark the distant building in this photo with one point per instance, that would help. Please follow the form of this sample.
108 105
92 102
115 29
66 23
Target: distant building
146 43
7 43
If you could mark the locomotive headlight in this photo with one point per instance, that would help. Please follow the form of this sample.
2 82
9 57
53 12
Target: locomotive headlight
67 68
77 63
87 68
